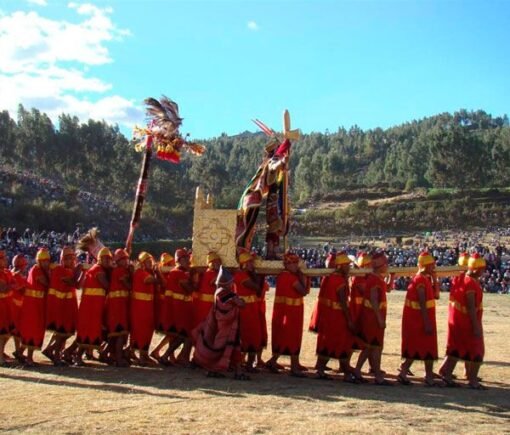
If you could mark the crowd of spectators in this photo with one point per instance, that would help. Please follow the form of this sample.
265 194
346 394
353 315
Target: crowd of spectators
49 190
29 241
497 255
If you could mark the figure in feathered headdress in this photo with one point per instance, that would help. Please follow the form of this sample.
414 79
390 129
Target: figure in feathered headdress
162 134
163 131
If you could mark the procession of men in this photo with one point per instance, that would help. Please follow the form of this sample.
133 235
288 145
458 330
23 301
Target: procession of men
216 319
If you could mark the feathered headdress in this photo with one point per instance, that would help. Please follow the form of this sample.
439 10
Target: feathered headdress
163 129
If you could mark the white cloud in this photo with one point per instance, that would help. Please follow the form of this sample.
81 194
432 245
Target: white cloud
38 2
252 25
47 64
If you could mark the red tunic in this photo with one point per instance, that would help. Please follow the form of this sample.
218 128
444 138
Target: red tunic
287 322
32 318
117 303
461 341
334 339
5 309
181 304
163 307
249 316
61 304
203 299
358 285
18 288
91 311
415 343
318 308
142 311
371 333
262 314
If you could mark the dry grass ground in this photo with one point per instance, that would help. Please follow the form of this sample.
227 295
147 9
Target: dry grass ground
174 400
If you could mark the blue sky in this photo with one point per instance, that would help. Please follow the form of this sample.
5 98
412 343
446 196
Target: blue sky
331 63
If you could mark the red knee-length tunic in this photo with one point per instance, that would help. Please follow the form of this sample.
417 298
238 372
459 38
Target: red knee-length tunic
203 299
181 303
5 310
371 333
62 303
142 310
249 317
416 344
32 317
16 301
287 322
334 338
117 303
462 342
91 311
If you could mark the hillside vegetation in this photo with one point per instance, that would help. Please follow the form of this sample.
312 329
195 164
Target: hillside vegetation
449 170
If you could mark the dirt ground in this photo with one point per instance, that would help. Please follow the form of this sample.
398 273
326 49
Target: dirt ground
176 400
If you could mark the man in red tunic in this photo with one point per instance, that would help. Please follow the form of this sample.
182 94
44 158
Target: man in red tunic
89 333
456 284
374 316
334 323
217 344
203 298
142 308
419 332
287 323
358 288
32 316
180 285
6 283
117 308
465 341
18 271
248 286
62 304
163 309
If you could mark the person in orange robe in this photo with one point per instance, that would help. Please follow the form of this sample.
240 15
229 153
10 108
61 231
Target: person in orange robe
466 341
180 285
142 308
456 284
163 306
248 286
287 322
6 283
117 308
217 339
419 332
32 317
203 298
374 316
18 271
334 323
89 334
62 304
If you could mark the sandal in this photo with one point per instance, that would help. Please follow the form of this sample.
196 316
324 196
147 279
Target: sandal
430 384
478 387
450 383
272 367
323 376
402 380
242 377
384 383
351 379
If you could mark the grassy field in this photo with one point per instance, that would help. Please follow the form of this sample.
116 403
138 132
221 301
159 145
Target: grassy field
155 400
